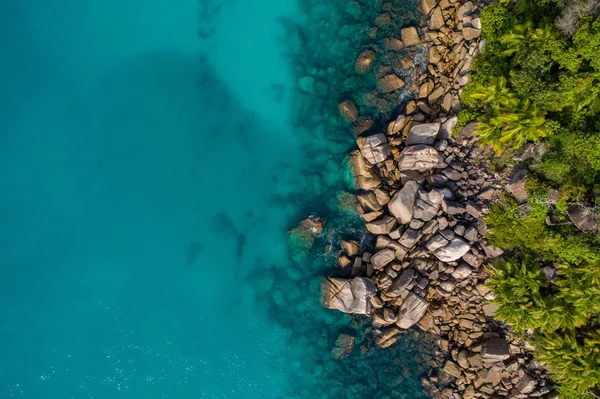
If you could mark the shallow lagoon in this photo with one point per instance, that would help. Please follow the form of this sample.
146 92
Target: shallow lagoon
153 157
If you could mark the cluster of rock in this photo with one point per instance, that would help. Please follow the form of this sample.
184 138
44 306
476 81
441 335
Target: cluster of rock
423 194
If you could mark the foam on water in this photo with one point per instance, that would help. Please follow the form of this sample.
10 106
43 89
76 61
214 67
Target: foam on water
150 172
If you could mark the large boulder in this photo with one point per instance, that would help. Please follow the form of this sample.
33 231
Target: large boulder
402 203
412 310
427 205
453 251
583 217
424 133
348 296
419 157
374 148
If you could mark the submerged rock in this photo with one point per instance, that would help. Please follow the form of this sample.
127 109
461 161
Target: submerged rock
348 296
348 110
364 61
389 83
302 237
343 347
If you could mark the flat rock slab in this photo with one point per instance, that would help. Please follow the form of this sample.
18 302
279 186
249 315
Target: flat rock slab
495 349
348 295
424 133
419 157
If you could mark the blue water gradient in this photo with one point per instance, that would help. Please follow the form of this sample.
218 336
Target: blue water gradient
149 174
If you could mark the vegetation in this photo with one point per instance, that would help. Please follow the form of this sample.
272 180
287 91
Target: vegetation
538 78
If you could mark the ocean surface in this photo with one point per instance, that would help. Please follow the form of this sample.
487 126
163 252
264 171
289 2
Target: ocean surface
153 156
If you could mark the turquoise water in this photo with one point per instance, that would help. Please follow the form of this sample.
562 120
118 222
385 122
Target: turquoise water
153 155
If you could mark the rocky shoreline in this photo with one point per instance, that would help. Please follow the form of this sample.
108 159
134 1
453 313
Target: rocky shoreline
424 188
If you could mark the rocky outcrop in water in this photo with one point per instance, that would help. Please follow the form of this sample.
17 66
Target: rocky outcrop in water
424 192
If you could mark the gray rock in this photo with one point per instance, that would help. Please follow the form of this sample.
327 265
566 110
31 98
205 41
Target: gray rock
462 271
427 205
348 295
583 218
447 234
400 283
467 131
419 157
402 203
416 224
474 209
443 222
382 258
424 133
412 310
460 229
517 186
471 234
437 180
527 384
374 148
452 174
453 251
491 251
472 259
524 152
410 238
495 349
436 242
447 126
454 208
